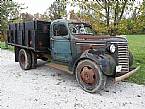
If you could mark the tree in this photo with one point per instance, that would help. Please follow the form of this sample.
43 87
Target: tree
57 9
136 23
108 12
44 17
9 12
26 17
142 8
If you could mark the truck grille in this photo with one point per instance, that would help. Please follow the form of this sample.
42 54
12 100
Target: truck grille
123 57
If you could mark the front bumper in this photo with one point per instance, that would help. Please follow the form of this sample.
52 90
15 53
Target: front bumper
122 77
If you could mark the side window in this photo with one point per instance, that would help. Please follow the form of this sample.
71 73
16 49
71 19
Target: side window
60 30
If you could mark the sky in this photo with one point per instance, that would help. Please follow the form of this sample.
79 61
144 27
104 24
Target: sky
35 6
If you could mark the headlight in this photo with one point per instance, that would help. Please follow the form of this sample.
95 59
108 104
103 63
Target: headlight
112 48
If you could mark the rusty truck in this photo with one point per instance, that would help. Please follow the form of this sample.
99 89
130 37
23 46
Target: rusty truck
74 47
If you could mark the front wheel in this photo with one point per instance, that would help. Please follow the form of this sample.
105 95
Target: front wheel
89 76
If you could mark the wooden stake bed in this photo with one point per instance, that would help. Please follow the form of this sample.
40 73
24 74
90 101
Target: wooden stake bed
59 67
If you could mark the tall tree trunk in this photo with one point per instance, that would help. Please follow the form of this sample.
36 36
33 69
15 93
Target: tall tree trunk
116 19
122 11
107 9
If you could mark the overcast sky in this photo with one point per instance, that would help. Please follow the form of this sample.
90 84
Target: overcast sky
35 6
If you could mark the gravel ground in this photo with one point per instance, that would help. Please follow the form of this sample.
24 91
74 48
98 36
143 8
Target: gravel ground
45 88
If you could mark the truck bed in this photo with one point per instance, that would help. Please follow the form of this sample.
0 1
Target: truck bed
31 35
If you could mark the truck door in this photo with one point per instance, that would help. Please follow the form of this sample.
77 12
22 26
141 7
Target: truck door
60 42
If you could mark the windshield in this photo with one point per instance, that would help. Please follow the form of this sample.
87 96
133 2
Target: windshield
81 28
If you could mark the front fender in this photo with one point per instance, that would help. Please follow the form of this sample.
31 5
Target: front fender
105 61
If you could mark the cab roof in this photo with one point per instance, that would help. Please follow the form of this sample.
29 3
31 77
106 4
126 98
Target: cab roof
70 21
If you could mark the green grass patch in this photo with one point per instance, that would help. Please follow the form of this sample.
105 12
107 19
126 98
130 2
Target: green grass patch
137 47
2 46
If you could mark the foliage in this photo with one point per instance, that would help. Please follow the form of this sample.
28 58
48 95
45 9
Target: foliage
108 13
2 46
132 26
135 24
142 8
39 16
26 17
9 12
57 10
1 37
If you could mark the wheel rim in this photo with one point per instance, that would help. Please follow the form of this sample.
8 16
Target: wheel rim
88 75
22 59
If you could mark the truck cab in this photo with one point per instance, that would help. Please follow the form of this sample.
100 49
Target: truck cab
74 47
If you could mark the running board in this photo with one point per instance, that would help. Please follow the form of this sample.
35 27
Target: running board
60 67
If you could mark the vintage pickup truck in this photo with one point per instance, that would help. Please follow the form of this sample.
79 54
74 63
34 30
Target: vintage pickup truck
73 47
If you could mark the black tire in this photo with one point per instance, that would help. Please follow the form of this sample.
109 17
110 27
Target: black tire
25 60
97 82
130 59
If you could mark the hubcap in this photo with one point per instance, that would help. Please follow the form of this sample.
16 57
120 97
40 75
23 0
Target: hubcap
88 75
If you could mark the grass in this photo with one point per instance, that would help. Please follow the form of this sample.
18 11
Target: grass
137 47
2 45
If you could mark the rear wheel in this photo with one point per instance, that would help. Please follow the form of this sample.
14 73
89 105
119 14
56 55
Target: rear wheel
89 76
25 60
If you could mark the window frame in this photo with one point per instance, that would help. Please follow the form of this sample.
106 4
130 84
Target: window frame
57 24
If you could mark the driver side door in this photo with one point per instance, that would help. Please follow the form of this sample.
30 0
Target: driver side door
60 43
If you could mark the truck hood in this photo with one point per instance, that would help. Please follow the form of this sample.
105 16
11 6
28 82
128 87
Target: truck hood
85 42
102 38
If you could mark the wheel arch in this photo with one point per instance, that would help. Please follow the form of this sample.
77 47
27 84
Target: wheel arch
103 61
84 56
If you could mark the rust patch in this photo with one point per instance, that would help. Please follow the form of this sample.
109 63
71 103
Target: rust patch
88 37
86 47
89 46
88 76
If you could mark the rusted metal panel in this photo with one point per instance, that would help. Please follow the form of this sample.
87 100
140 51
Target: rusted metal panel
88 37
86 45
